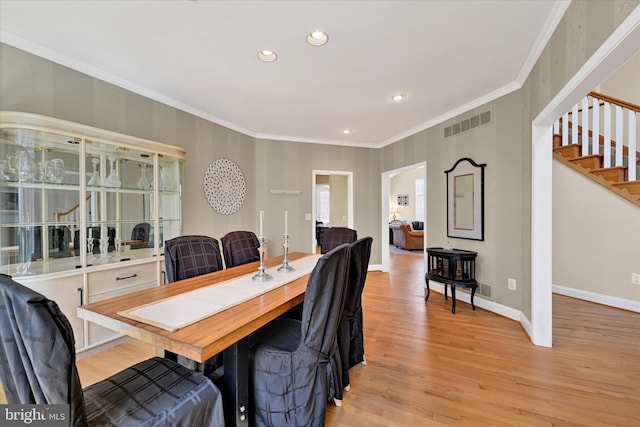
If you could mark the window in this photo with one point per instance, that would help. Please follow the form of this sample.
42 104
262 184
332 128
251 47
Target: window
420 199
322 204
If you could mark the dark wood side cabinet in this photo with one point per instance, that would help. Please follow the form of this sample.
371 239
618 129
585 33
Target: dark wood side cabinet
452 267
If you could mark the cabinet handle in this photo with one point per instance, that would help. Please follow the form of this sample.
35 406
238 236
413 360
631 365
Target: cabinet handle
80 291
131 276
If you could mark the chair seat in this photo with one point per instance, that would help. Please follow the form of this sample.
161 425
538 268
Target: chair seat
155 392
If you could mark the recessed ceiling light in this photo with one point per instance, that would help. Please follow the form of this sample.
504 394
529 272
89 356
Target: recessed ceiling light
398 97
317 38
267 56
346 131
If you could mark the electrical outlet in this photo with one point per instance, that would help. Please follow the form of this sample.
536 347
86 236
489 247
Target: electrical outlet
307 217
635 278
512 284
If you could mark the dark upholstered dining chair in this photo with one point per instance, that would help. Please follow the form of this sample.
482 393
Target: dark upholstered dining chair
141 234
240 247
190 256
290 360
336 236
350 335
37 366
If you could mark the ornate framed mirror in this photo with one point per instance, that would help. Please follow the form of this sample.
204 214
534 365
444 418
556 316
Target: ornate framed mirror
465 200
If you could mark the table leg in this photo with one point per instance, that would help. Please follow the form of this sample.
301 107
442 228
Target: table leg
236 382
473 292
453 298
428 289
445 291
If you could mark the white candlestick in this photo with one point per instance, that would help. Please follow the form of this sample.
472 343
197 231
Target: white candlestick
286 229
261 220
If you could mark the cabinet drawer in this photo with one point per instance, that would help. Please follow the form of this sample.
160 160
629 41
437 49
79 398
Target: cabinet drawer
105 281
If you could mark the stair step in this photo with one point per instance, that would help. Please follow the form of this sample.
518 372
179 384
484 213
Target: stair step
614 174
590 162
570 151
633 187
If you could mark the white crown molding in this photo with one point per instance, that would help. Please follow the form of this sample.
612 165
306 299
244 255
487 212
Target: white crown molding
504 90
556 14
21 43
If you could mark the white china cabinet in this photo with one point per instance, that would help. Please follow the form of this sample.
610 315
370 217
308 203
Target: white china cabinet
84 212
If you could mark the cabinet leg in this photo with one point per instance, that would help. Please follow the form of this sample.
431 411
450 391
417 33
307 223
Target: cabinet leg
453 299
426 281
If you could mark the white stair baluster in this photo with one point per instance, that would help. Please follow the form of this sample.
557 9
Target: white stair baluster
595 129
574 124
607 135
633 147
619 135
585 126
565 129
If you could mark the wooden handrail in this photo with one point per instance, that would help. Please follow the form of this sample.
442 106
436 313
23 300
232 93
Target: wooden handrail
57 215
616 101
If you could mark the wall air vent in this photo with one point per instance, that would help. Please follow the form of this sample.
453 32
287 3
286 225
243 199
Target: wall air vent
468 124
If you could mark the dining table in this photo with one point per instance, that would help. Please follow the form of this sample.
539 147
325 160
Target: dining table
226 330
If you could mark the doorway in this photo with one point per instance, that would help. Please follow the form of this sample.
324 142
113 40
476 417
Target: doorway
386 212
344 198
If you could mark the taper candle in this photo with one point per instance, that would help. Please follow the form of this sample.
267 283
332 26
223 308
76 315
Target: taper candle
286 229
261 220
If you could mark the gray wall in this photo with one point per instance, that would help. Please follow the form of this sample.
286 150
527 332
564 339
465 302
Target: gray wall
32 84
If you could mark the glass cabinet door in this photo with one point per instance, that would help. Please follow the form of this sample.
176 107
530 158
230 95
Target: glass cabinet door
90 200
120 203
170 198
39 202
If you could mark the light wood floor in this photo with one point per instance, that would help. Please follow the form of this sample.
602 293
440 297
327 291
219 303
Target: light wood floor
428 367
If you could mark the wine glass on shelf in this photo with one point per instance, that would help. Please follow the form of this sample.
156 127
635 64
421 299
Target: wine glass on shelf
95 176
112 179
55 170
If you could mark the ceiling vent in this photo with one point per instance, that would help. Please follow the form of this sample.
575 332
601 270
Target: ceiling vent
468 124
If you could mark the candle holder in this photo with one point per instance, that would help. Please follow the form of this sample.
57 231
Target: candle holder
261 275
285 262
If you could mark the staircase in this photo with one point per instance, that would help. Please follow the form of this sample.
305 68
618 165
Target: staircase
579 143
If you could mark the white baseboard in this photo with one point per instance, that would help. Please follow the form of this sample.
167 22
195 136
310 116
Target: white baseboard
616 302
374 267
494 307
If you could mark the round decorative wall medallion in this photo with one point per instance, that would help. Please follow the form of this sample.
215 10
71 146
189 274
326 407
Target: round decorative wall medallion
224 186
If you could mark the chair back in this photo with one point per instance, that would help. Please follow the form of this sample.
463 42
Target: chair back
360 254
37 355
336 236
190 256
141 232
240 247
324 300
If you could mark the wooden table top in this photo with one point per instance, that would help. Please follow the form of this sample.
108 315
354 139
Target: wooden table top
206 338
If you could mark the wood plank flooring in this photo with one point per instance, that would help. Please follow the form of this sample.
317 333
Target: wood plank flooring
428 367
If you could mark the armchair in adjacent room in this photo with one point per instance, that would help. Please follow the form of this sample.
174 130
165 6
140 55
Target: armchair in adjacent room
405 237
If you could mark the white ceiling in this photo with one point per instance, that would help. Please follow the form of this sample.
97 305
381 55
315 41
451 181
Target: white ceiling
200 56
